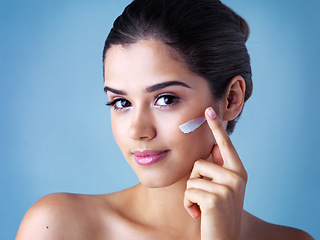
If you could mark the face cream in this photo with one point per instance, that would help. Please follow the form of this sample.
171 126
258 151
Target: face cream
192 125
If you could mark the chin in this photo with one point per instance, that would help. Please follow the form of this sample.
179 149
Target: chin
162 181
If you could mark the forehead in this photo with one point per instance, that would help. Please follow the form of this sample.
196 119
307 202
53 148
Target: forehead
145 63
144 56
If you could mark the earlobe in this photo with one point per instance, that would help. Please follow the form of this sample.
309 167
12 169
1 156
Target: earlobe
234 99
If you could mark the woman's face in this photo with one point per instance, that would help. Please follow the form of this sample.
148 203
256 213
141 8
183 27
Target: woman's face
151 94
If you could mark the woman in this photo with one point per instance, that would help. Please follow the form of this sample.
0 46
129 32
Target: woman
166 63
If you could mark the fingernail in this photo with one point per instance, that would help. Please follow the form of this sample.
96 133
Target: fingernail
211 113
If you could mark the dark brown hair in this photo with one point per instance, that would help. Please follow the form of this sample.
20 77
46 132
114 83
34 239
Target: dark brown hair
207 35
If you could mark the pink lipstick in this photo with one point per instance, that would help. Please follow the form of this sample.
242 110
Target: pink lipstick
149 157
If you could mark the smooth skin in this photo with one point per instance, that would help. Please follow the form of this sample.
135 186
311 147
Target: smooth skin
195 192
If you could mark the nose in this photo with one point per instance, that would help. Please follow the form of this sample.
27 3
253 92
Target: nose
142 126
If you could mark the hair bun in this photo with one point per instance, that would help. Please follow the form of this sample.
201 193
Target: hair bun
243 25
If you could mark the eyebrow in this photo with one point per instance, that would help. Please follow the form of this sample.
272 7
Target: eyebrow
150 88
115 91
166 84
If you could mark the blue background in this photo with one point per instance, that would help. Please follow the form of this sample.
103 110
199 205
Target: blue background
55 133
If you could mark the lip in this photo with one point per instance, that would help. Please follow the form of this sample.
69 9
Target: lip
149 157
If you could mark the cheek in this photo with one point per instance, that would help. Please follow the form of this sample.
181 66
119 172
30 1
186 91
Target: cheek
192 146
200 142
119 132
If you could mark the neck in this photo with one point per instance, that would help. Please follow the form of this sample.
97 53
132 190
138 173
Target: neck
166 206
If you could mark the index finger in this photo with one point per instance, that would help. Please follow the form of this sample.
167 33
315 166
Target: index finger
229 154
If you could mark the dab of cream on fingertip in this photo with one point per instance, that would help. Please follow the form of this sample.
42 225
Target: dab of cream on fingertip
192 125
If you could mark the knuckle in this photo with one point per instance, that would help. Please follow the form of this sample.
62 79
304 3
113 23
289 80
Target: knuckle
198 164
187 193
235 181
224 192
190 183
212 201
245 175
217 199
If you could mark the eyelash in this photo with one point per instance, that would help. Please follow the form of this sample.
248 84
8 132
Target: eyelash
170 96
113 104
173 98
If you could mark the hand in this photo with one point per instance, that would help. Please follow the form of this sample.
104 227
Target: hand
215 191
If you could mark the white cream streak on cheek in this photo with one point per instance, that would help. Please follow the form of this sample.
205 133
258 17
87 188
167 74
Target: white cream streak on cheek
192 125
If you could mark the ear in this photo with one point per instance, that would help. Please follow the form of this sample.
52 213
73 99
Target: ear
234 98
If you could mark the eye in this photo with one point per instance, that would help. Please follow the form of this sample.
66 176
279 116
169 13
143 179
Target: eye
165 100
119 104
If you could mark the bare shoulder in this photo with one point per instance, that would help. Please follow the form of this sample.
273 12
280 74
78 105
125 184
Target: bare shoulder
61 216
259 229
